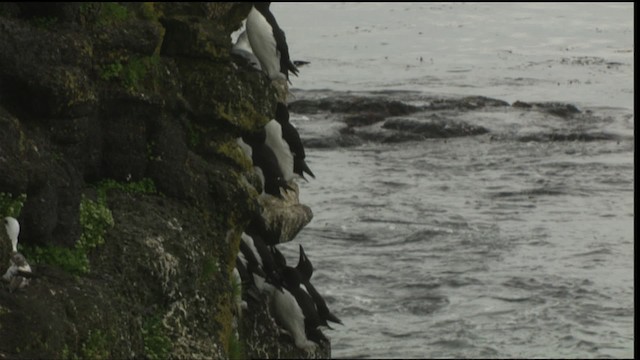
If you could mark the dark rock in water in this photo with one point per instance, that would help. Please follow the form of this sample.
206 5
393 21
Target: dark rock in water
434 127
353 104
390 137
522 105
465 103
387 106
586 137
558 109
364 119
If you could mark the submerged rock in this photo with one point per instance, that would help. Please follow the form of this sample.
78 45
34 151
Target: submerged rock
558 109
353 104
464 103
364 119
586 137
434 127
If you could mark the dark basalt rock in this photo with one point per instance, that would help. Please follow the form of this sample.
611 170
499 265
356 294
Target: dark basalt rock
385 107
353 104
465 103
586 137
558 109
364 119
434 127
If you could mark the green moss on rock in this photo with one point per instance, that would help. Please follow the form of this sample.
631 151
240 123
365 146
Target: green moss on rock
157 344
226 98
95 219
11 205
112 13
96 346
132 73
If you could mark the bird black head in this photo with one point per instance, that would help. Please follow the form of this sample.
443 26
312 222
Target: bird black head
262 6
291 278
280 260
304 267
256 137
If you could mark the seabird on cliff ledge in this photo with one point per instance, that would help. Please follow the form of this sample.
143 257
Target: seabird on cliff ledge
280 149
266 161
18 265
305 269
292 138
292 281
290 314
268 42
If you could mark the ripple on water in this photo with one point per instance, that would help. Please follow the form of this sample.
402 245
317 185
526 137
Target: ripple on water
352 311
556 287
423 306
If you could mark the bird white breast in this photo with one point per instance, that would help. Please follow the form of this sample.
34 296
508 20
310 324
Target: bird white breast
261 177
263 44
243 260
246 149
238 295
249 241
13 230
280 148
242 43
289 315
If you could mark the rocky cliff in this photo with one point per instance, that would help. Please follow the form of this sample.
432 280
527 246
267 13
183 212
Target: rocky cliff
118 157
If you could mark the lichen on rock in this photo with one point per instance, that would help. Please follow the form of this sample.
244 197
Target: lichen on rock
284 218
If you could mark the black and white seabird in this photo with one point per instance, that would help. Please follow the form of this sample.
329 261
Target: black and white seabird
292 138
248 271
269 43
282 138
18 266
257 251
305 269
280 148
253 263
292 281
289 314
283 304
267 162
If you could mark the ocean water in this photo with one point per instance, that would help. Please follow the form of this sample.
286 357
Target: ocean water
514 243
